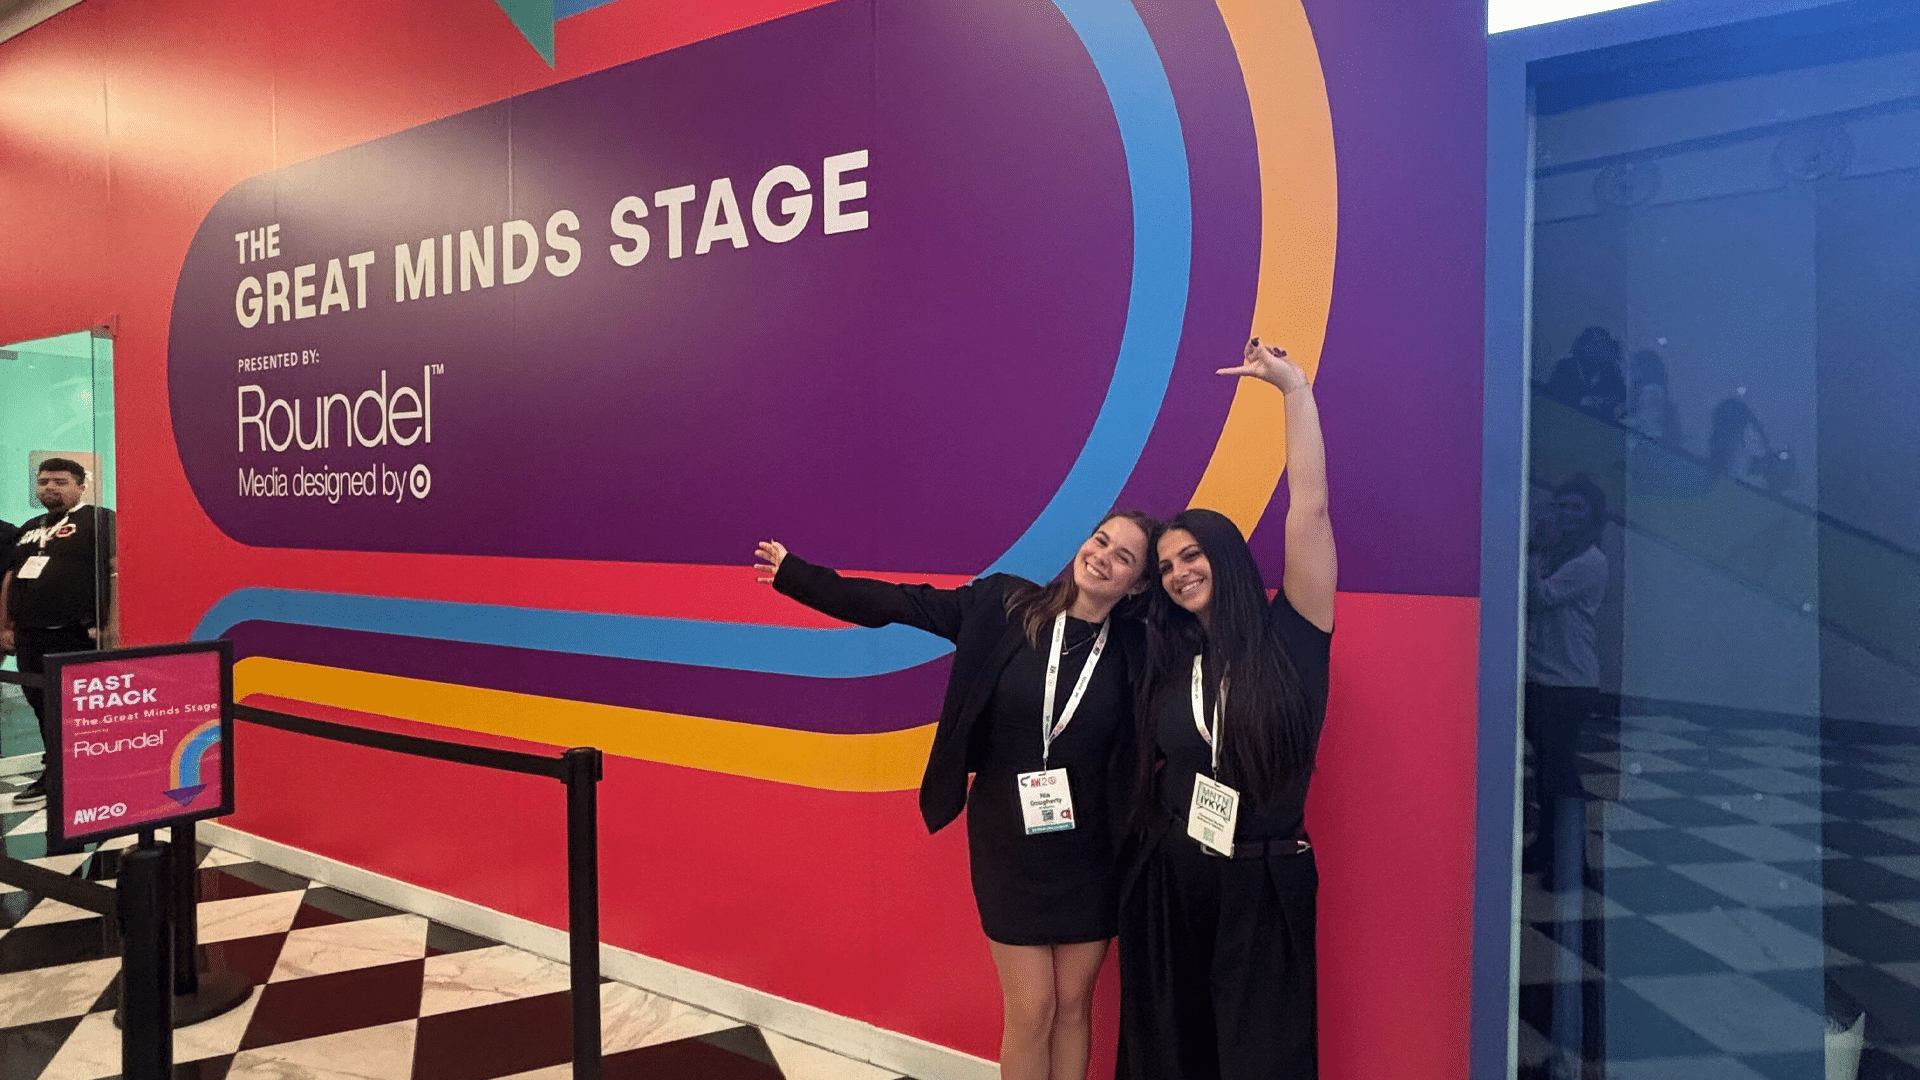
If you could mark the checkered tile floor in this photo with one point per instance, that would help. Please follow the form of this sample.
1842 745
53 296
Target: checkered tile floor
1744 879
344 989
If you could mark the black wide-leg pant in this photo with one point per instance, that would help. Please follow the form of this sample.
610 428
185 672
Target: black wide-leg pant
1554 719
32 647
1217 967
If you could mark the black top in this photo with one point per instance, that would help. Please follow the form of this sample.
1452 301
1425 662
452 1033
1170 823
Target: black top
1590 384
974 617
1014 746
73 586
1186 753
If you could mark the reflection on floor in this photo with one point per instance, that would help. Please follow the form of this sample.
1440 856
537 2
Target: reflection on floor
1744 883
345 989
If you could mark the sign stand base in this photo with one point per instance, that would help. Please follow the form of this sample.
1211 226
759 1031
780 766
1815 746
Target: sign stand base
219 992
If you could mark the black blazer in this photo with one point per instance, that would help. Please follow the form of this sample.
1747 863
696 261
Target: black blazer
974 617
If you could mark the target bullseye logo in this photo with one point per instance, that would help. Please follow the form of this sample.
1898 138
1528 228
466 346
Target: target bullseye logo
419 481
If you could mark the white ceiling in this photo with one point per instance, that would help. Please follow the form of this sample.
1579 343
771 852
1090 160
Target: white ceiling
1513 14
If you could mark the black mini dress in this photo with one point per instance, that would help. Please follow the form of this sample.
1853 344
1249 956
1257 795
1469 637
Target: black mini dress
1055 888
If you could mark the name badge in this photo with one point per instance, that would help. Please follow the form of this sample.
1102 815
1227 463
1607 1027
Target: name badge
1211 818
1046 801
32 567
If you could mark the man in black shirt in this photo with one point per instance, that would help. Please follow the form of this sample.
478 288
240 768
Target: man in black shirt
57 592
1589 377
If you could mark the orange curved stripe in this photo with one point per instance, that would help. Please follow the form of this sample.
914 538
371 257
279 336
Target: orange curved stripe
883 761
1299 212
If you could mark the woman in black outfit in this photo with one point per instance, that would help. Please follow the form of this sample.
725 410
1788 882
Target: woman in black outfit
1217 912
1043 865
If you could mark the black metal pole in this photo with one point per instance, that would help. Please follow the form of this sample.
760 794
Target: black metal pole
185 892
199 993
583 906
146 975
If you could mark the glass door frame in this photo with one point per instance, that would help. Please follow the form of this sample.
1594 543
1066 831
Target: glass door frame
1504 461
103 481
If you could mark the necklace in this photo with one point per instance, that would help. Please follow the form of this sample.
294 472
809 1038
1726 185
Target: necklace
1083 642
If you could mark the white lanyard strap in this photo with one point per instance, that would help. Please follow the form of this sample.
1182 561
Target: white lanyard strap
1050 729
1200 715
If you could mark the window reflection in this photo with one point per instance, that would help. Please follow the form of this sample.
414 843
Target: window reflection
1721 870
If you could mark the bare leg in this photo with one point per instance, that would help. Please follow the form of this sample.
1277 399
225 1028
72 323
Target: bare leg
1026 996
1075 969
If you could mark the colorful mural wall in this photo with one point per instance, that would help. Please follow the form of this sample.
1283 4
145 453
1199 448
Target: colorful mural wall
462 362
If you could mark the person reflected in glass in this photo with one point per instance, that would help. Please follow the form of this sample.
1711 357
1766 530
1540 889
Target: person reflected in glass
1566 583
1738 446
1650 411
1588 377
1039 708
1217 950
1656 463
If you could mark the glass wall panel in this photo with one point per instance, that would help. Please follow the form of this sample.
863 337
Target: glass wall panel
56 400
1721 868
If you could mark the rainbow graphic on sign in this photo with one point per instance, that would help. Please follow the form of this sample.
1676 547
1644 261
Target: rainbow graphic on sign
189 762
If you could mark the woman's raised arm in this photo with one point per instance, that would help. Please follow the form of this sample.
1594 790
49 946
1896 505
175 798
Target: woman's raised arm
1311 574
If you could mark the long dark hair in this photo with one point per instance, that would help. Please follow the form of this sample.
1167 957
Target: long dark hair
1036 608
1731 419
1269 740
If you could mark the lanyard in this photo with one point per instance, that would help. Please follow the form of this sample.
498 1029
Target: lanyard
1050 733
46 535
1200 715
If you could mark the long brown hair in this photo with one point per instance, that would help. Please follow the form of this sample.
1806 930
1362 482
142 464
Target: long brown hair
1036 608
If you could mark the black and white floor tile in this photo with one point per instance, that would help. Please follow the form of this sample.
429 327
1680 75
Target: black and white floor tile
344 989
1745 882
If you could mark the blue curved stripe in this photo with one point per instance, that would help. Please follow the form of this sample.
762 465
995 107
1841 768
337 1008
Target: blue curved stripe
1150 132
194 755
779 650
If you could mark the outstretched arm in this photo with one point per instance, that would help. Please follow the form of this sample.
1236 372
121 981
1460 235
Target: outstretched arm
1310 577
863 601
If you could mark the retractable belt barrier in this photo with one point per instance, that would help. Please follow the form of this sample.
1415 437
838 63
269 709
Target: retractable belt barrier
579 769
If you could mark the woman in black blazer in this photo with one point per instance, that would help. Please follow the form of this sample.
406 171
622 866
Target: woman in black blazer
1047 798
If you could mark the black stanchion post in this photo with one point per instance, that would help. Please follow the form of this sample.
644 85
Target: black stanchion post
583 770
146 973
200 993
185 893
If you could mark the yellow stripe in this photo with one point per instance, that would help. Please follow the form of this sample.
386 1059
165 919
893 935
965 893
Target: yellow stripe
1299 209
890 761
